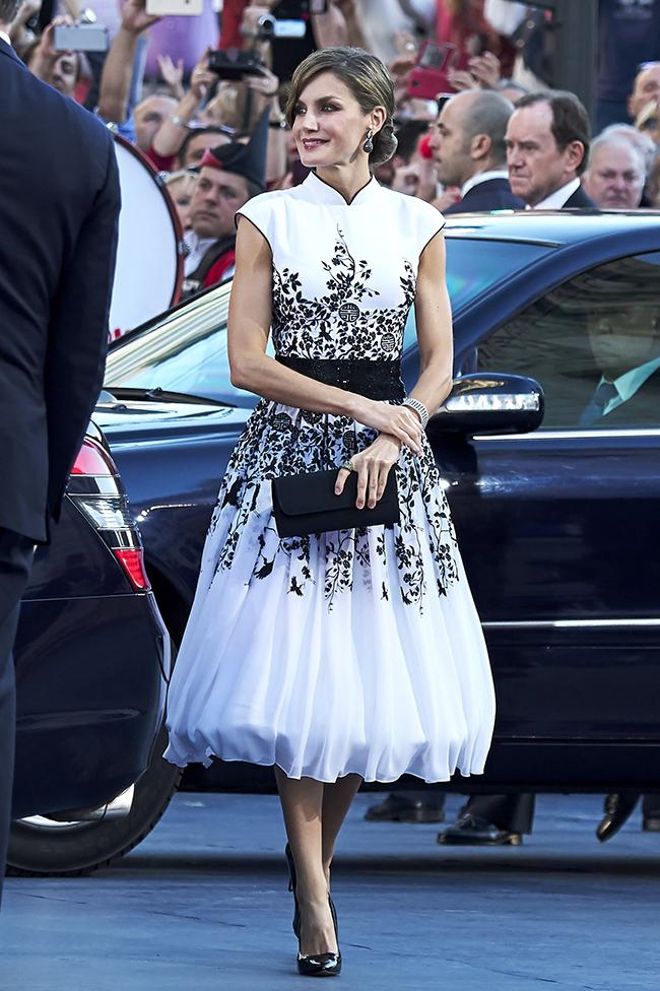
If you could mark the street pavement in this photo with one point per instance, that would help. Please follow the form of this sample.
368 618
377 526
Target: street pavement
202 904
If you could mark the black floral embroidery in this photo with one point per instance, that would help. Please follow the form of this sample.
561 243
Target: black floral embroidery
336 326
283 440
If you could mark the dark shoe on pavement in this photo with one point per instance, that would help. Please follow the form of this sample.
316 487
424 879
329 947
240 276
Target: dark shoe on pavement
651 824
618 809
398 808
469 830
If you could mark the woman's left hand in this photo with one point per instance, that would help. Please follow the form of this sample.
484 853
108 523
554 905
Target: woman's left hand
372 466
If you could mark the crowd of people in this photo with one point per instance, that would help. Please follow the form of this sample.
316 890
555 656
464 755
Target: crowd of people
480 124
494 134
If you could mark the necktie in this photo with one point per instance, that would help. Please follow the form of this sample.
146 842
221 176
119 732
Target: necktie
593 411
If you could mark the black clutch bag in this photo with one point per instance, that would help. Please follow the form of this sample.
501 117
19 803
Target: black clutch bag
304 504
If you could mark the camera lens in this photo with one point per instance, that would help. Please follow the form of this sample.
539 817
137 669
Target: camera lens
266 26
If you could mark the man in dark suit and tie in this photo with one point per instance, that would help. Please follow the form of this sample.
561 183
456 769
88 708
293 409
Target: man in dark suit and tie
547 149
467 141
626 348
547 143
59 202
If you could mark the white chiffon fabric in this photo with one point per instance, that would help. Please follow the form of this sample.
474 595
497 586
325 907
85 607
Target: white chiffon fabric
352 652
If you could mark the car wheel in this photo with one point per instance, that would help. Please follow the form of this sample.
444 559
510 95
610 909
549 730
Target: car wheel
41 846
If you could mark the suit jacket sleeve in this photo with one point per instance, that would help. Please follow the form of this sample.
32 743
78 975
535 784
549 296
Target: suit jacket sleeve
78 331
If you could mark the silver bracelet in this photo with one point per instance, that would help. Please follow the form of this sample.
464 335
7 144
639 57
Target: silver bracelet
419 408
178 121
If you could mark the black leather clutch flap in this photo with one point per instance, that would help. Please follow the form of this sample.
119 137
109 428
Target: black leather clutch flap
304 504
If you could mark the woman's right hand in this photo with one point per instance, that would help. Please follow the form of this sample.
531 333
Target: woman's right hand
399 421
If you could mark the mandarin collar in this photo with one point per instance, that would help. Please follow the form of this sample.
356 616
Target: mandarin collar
322 192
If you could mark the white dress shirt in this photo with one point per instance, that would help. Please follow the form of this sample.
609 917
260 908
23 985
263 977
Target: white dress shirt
5 37
556 200
480 177
197 247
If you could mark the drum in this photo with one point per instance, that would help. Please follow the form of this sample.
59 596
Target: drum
149 273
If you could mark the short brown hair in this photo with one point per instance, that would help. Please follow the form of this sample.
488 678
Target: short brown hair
570 120
368 80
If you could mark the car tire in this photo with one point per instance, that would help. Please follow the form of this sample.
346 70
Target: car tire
37 850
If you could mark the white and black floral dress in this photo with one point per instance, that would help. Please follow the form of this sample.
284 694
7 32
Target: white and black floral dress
354 651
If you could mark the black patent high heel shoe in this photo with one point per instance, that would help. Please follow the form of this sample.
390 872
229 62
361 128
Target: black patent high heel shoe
295 925
322 964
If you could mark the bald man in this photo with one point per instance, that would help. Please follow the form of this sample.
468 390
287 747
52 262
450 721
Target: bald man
468 147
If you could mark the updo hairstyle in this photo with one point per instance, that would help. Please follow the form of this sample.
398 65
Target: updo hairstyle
367 79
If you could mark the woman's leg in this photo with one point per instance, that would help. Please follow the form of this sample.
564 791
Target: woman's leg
337 800
302 808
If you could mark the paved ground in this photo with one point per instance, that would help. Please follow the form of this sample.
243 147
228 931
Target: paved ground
202 905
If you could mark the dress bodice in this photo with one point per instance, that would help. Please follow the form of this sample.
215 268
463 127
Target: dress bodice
344 275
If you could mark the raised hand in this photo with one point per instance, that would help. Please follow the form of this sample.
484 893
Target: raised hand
486 69
134 17
172 74
201 78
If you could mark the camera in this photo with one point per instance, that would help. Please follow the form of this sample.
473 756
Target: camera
234 65
270 28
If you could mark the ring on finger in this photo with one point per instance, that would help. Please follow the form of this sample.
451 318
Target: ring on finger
348 466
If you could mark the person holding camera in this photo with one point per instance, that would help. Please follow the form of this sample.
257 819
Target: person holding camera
60 69
346 646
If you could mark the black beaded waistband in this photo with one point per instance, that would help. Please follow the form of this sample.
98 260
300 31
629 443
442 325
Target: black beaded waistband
372 378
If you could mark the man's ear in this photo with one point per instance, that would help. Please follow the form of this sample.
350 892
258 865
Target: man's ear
481 146
574 152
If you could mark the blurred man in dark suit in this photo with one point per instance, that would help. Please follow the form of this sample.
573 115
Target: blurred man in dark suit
59 202
467 141
547 142
626 348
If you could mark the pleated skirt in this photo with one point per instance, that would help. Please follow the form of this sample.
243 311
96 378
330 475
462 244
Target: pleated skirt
357 651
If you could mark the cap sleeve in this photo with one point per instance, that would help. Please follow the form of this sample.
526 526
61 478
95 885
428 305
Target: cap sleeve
430 222
259 212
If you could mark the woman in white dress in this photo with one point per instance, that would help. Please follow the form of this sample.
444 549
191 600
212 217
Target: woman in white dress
355 654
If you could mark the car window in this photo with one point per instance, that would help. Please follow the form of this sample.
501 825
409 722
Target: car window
594 345
186 350
476 266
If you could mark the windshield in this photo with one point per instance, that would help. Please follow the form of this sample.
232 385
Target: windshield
186 350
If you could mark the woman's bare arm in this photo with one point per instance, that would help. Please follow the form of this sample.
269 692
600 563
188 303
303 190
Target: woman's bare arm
434 328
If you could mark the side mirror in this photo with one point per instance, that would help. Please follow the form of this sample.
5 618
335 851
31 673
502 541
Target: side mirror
491 403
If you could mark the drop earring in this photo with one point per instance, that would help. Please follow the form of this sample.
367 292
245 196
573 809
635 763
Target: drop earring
368 145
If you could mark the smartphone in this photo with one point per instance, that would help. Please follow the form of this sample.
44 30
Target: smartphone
80 38
430 75
175 8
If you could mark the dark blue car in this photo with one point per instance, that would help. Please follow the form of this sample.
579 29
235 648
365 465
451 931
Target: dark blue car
92 663
555 489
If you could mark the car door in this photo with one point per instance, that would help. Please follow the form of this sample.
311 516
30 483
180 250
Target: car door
560 529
